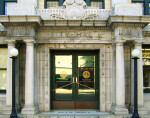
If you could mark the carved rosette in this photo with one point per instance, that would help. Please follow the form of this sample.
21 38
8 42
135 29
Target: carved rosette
73 10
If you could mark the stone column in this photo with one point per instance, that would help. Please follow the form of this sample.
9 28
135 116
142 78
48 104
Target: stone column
29 107
138 45
120 79
7 109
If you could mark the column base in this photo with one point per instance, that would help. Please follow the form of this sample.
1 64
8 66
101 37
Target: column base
141 110
119 110
30 110
7 109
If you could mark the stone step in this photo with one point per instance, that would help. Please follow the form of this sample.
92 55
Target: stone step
36 116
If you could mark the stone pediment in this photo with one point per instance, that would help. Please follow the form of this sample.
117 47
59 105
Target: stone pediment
73 10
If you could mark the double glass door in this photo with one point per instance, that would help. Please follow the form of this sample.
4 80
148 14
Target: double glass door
74 80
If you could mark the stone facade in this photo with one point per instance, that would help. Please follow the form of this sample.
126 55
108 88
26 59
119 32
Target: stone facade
110 32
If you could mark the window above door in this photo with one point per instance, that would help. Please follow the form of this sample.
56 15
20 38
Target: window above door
92 3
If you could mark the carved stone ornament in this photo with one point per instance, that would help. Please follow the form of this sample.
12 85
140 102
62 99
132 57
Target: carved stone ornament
73 10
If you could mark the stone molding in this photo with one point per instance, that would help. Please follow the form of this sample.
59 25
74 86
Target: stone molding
75 28
23 20
23 24
71 23
121 20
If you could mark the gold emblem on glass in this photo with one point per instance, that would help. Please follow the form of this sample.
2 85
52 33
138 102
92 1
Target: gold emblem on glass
63 74
86 74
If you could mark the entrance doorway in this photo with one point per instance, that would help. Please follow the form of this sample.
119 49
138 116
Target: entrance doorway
75 83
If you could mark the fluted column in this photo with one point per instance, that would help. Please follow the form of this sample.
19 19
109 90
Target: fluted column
120 79
138 45
7 109
29 107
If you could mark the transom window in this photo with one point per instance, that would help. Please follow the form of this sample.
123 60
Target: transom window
53 3
95 3
3 69
92 3
146 68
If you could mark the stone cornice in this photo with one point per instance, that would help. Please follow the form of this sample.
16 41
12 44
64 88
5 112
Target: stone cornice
18 20
133 21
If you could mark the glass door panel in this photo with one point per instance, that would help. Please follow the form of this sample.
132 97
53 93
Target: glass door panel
86 75
63 77
74 80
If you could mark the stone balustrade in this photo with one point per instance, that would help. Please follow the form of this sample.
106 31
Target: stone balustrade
59 14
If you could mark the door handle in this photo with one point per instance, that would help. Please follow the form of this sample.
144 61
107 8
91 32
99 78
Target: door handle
76 80
73 81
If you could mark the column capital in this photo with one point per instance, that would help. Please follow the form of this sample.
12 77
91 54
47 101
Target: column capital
11 42
120 42
138 42
29 42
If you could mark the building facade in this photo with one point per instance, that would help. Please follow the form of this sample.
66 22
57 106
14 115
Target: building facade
74 57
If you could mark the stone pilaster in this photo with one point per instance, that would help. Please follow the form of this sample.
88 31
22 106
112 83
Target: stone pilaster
138 45
113 75
29 107
119 107
7 109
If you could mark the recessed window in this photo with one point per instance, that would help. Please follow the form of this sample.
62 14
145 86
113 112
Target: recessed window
95 3
98 4
3 69
146 68
92 3
52 4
